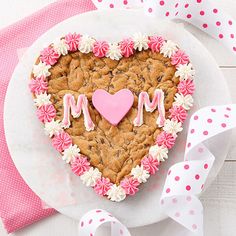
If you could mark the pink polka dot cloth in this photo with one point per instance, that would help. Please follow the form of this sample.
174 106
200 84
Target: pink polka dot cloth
19 206
185 180
203 14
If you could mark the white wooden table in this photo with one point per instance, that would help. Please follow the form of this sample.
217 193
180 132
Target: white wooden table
219 200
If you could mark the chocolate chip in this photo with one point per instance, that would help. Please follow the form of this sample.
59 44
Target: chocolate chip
159 78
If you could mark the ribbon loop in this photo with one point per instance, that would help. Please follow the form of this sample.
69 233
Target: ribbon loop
93 219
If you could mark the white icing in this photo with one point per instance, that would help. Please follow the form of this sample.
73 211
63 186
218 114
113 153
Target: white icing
140 174
70 105
42 69
172 127
140 41
61 47
150 106
116 193
159 152
70 153
89 177
114 52
169 48
42 99
86 44
52 128
185 101
185 72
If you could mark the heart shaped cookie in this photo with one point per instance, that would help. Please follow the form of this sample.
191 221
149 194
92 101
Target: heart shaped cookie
113 110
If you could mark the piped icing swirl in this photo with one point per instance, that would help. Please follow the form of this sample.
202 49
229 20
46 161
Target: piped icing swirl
80 165
150 106
49 56
127 47
100 48
155 43
72 40
150 164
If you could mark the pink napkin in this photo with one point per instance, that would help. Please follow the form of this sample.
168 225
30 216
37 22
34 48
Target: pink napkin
19 206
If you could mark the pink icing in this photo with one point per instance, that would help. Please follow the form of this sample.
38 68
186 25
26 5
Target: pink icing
166 140
127 47
113 107
61 141
179 58
38 85
100 48
80 165
49 56
102 186
178 113
46 113
186 87
72 40
150 164
130 185
158 101
155 43
82 105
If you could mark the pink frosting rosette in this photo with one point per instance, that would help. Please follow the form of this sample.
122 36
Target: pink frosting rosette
166 140
127 47
100 48
155 43
130 185
186 87
102 186
150 164
61 141
49 56
38 85
179 58
46 113
178 113
80 165
73 40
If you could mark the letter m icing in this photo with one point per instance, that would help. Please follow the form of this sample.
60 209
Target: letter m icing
150 106
75 109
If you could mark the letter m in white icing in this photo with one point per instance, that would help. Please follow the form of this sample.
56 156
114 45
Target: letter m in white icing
150 106
70 105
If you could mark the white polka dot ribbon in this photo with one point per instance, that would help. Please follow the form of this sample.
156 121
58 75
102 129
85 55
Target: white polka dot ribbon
92 220
185 180
203 14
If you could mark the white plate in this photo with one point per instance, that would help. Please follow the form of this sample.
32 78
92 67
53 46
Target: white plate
39 163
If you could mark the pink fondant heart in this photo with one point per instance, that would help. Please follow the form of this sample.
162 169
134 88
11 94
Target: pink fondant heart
113 107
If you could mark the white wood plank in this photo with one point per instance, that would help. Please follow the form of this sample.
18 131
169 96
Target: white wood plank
230 75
